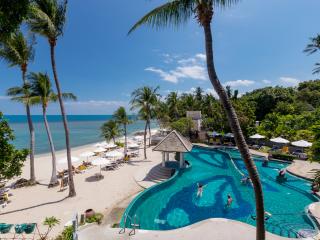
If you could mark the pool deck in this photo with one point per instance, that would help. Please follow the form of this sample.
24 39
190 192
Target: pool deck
216 228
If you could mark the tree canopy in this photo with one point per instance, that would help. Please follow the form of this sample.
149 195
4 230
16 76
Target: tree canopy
11 159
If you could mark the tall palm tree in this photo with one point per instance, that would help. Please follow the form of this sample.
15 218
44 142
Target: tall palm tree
121 117
172 101
313 47
145 100
42 93
18 51
176 12
110 130
47 18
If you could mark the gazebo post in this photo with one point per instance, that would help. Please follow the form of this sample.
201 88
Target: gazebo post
181 160
167 157
163 159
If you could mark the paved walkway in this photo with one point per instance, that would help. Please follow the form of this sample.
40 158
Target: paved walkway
303 168
216 228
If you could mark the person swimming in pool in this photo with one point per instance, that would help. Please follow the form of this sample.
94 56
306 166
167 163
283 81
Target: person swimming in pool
229 201
200 190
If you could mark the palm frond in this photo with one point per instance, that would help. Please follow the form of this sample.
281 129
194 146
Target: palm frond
69 96
314 46
172 13
316 70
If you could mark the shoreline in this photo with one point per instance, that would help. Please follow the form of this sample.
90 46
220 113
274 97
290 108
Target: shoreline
86 146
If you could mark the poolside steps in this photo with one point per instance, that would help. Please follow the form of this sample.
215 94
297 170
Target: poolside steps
149 176
159 174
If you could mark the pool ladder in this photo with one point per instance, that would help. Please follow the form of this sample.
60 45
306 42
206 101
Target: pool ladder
134 224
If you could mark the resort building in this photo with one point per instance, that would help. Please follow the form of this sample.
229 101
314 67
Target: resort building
196 118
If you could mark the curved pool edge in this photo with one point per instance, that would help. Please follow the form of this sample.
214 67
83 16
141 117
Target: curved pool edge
148 190
310 216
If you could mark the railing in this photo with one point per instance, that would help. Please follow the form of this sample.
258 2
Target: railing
126 217
133 223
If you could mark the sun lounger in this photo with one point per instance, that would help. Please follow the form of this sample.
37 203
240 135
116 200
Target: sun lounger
5 228
25 228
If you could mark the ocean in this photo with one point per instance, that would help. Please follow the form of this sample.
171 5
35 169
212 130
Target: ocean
84 129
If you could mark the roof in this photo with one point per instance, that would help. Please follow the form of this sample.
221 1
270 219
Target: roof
174 142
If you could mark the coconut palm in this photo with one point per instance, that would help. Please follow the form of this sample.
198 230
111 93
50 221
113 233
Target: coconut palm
145 100
42 93
110 130
176 12
172 101
313 47
121 117
47 18
18 51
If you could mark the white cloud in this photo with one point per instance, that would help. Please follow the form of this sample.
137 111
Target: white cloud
187 68
4 97
167 76
289 81
266 81
239 83
97 103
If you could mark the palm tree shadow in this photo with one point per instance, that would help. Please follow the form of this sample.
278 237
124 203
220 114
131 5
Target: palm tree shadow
35 206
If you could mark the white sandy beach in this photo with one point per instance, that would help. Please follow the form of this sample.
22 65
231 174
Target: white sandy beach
33 204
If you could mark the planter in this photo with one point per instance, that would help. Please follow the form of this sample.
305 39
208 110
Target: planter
89 213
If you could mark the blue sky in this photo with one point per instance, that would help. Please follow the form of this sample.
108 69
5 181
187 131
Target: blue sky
257 43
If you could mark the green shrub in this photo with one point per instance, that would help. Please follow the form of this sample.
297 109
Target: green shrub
67 234
120 144
282 156
95 218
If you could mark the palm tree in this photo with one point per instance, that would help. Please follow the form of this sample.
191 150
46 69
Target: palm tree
18 51
110 130
121 117
42 93
172 101
176 12
145 99
313 47
47 18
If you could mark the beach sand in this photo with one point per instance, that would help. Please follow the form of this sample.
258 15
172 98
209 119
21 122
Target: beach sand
33 204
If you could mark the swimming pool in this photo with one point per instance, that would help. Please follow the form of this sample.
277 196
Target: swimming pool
174 204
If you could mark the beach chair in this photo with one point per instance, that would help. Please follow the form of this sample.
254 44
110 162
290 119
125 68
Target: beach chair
5 228
25 229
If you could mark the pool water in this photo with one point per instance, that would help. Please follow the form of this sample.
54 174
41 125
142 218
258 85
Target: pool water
174 203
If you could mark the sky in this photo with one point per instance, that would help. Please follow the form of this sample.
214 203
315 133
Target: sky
256 43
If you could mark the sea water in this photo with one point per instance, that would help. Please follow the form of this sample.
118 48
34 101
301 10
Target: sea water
84 129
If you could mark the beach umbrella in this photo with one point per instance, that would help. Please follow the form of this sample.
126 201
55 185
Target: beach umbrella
110 145
133 145
279 140
87 154
302 143
114 154
138 138
229 135
65 160
215 134
99 150
100 162
257 136
98 145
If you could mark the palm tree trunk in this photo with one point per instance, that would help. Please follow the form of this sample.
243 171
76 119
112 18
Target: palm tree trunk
32 136
236 129
32 144
125 139
149 133
145 140
72 191
54 179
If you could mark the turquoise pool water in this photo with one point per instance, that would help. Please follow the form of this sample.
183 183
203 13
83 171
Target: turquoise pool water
174 204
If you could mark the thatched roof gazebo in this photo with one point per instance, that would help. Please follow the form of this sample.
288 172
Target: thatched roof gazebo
173 142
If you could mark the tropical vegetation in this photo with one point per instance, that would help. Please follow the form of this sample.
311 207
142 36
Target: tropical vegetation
11 160
42 94
122 118
145 100
110 130
47 18
18 51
